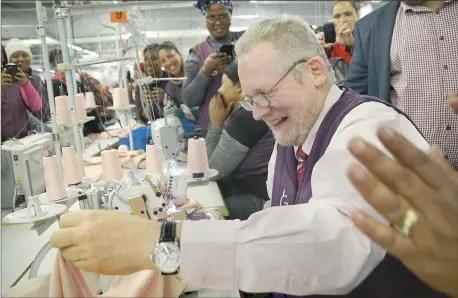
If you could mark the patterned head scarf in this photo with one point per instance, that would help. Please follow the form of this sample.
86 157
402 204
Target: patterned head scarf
204 4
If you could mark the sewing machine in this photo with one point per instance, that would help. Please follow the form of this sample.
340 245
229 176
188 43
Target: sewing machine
22 167
168 134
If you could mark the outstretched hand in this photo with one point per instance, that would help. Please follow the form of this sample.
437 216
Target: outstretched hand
414 180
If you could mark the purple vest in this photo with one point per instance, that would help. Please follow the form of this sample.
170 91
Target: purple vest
203 50
390 279
14 116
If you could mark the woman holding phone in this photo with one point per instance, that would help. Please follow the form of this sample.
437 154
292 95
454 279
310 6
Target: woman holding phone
154 91
205 62
20 54
18 94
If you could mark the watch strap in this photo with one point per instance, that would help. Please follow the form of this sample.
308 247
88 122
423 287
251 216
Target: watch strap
168 232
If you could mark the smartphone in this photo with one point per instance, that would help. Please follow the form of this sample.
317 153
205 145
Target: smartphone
228 49
329 30
12 70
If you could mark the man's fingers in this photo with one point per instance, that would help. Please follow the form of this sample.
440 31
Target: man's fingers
453 101
71 219
414 159
64 238
399 179
397 244
73 253
378 195
436 154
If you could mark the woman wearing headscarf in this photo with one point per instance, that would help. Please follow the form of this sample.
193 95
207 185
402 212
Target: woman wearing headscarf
204 65
154 92
17 94
20 54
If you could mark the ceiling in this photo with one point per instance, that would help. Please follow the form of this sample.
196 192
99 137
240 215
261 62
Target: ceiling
148 22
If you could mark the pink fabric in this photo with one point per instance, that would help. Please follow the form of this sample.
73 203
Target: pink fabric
68 281
31 97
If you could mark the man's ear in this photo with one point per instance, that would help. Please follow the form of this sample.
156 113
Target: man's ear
318 71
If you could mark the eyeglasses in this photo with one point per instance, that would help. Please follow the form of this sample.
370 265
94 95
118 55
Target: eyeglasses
214 19
262 100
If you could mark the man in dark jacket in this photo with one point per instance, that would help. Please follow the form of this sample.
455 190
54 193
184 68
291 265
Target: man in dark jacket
405 53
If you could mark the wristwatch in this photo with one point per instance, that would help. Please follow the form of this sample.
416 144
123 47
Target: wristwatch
166 255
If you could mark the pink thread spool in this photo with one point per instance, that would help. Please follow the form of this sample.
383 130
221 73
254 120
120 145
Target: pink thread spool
111 166
80 102
90 100
54 181
197 157
153 160
120 98
62 110
72 174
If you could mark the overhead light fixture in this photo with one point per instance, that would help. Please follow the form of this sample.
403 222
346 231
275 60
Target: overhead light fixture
246 17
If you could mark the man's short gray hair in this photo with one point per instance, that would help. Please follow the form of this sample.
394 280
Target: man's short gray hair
291 36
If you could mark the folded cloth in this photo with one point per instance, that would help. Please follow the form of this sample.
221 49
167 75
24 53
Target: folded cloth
68 281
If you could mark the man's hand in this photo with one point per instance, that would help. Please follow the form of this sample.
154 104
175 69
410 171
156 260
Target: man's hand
453 101
214 62
218 110
7 80
344 34
21 77
106 242
418 181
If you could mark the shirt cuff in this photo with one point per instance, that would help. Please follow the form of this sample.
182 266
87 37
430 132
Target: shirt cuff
208 251
214 129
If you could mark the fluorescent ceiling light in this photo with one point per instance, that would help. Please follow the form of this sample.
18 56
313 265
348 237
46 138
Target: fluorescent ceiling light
49 40
246 17
184 33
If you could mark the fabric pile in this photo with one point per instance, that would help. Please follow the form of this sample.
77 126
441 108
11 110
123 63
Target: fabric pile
66 280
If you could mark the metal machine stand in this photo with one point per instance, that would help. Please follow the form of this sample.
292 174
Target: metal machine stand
41 31
60 14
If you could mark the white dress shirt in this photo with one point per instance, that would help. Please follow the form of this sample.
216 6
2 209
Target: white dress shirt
299 249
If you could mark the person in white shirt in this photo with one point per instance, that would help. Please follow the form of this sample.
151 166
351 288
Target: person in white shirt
304 244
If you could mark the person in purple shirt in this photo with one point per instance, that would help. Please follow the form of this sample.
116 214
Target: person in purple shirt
18 95
204 67
305 244
19 53
239 147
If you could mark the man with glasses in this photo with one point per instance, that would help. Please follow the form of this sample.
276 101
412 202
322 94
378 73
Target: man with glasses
305 244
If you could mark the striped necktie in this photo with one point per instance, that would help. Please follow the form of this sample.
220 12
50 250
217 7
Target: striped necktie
302 160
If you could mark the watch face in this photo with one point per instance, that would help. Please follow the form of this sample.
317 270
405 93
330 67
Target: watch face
167 257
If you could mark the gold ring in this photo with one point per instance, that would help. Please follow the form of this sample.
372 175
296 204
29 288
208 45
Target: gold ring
410 219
